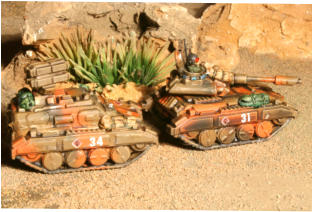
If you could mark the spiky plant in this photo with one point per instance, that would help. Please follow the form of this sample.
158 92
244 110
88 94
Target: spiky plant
87 64
69 47
143 62
100 67
112 62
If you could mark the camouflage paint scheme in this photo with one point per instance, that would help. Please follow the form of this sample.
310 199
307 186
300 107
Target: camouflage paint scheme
71 129
68 130
203 109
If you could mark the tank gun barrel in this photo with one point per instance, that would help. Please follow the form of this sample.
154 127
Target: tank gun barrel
232 78
277 80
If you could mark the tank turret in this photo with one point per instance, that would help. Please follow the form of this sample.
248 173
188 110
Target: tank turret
216 82
192 78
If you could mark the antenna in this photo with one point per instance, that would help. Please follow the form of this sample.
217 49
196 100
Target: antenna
185 49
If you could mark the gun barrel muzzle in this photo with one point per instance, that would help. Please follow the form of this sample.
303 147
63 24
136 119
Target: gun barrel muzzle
277 80
286 80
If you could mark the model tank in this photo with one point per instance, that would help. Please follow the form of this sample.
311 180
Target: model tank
73 130
210 109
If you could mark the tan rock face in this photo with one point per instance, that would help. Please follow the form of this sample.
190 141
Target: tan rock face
13 79
217 39
298 11
282 30
174 22
45 20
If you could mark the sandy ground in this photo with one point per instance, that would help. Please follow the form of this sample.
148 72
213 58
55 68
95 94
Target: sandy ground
275 175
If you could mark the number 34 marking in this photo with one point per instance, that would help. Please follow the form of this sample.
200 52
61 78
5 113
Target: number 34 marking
245 117
99 141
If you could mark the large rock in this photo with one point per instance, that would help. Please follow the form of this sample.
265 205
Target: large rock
282 30
45 20
13 78
217 39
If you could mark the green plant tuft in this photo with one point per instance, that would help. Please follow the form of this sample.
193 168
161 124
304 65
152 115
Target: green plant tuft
111 62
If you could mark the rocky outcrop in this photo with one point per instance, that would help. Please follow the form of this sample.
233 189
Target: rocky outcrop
217 39
282 30
45 20
216 35
13 78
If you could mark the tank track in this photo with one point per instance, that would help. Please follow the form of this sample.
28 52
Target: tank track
236 142
108 165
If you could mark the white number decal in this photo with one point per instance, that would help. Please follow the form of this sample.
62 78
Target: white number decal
92 139
245 117
99 141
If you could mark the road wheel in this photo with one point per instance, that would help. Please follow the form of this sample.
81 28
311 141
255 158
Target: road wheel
191 135
76 158
120 154
207 138
52 160
98 156
32 157
226 135
264 129
245 132
139 147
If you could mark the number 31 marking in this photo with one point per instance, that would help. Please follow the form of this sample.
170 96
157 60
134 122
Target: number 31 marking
99 142
245 117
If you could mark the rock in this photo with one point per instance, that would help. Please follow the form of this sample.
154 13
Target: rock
44 20
13 79
216 35
283 30
174 22
298 11
217 39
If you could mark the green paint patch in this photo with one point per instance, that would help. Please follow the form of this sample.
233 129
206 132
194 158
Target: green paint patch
254 100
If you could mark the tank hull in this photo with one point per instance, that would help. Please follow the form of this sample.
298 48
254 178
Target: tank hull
229 117
88 141
84 139
218 122
73 131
